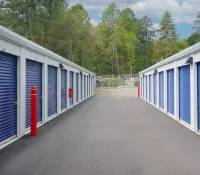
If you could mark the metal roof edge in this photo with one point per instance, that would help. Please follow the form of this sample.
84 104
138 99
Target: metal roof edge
14 37
180 55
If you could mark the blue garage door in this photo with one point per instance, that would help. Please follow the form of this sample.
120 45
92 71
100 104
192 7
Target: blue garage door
33 78
184 93
71 85
198 94
77 87
149 88
141 87
85 86
63 89
52 90
146 86
8 97
81 86
170 91
161 90
154 89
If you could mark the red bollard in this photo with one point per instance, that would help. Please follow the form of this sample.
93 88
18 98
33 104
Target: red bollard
138 91
33 111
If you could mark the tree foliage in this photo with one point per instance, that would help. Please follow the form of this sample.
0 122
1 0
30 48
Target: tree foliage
120 44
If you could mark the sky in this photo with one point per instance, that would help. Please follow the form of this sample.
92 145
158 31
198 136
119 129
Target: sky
183 12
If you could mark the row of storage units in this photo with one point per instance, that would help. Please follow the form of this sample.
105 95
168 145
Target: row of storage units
173 86
24 64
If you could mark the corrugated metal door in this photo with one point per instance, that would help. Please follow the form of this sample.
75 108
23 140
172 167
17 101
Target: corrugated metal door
85 86
170 91
184 93
198 94
154 88
52 90
141 86
81 87
33 78
146 86
8 97
161 90
77 87
63 89
71 85
149 88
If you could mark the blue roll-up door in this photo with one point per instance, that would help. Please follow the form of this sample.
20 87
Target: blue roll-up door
63 89
146 86
184 93
52 90
198 94
71 85
161 90
33 78
81 86
85 86
155 88
141 86
8 97
149 88
170 91
77 87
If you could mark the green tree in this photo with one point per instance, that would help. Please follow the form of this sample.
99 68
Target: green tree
197 23
167 33
193 39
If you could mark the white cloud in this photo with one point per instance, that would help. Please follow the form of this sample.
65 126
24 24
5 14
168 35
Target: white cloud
183 11
94 23
156 26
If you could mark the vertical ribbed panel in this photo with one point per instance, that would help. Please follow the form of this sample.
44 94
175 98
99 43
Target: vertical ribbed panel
71 85
146 86
33 78
52 90
81 86
141 86
184 93
170 91
161 90
8 96
198 94
149 88
77 86
154 88
63 89
85 90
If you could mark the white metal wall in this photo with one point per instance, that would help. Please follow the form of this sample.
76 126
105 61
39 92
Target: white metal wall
14 44
175 65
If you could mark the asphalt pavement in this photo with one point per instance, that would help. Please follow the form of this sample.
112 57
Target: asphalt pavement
106 135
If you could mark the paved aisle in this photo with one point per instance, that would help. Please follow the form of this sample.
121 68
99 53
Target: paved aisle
106 135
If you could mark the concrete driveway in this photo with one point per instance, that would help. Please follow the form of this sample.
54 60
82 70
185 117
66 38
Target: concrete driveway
106 135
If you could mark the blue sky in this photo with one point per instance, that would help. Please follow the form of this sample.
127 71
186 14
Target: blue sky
183 12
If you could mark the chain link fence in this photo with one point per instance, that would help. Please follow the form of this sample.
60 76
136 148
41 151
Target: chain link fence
114 81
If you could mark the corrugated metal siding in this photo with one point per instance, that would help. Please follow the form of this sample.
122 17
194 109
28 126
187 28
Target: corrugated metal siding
33 78
184 93
87 86
8 96
170 91
77 86
71 85
161 90
52 90
155 88
63 89
149 88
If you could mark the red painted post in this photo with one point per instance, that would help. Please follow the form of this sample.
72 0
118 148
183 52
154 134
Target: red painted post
138 91
33 111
